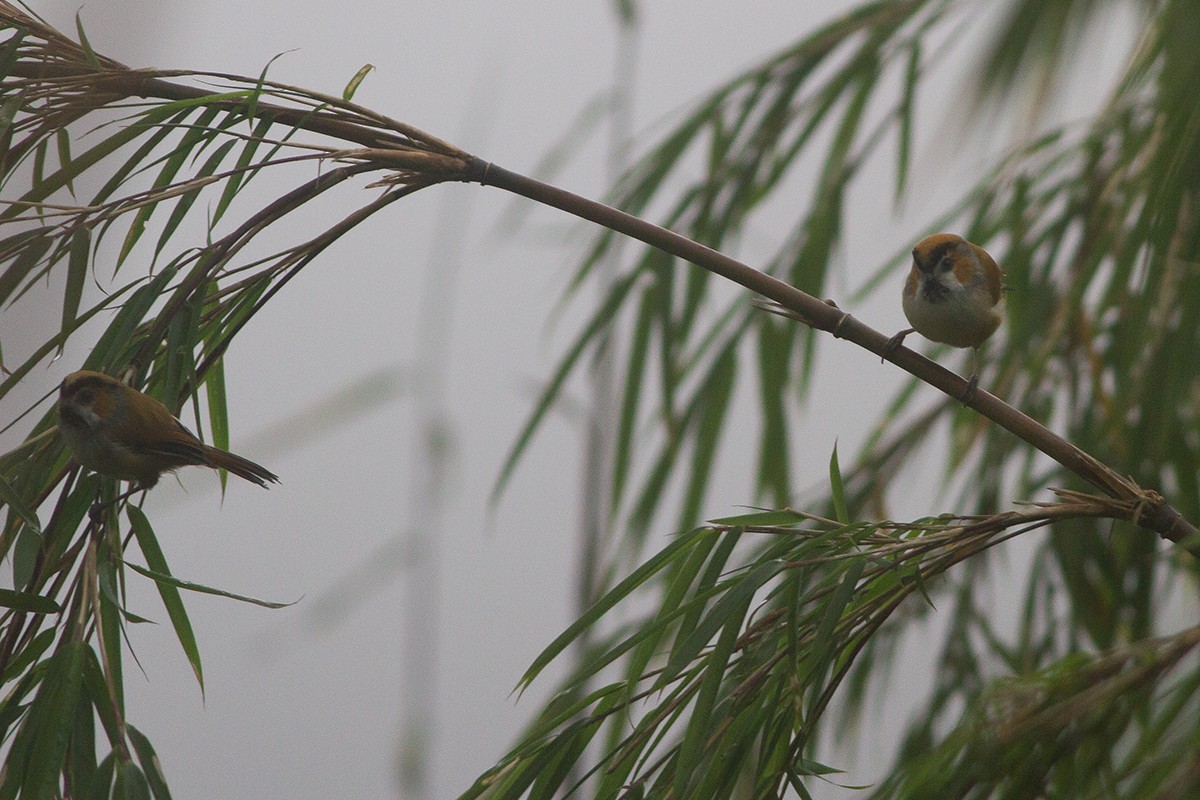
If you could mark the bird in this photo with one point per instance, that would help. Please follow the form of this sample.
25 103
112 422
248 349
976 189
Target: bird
117 431
954 294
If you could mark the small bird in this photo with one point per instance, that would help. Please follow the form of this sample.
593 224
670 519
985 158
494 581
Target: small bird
115 430
954 295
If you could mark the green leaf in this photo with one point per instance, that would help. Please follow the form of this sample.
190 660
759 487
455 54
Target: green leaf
154 126
775 354
110 613
731 606
150 763
12 498
168 591
602 606
907 113
255 94
218 409
712 401
165 578
80 767
65 174
102 783
25 556
63 138
88 53
26 656
240 176
699 725
634 378
113 347
25 601
130 783
598 323
352 86
188 199
30 247
77 267
837 490
762 519
96 684
823 649
8 112
172 162
51 721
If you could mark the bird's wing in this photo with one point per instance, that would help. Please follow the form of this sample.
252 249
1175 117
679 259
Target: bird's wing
156 431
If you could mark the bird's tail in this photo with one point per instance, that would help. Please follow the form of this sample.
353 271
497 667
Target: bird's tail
242 467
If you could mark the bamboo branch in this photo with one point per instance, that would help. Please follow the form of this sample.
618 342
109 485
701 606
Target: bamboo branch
1150 510
410 156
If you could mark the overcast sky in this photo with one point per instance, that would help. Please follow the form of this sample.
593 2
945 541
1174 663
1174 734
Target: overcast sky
308 702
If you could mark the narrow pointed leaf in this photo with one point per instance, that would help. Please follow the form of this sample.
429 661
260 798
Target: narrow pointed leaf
836 489
622 590
77 266
12 498
88 53
25 601
150 763
352 86
166 579
168 591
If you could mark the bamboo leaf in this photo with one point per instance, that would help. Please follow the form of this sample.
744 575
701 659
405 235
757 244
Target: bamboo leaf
24 658
907 113
166 579
823 649
171 164
150 763
188 199
130 783
713 399
168 590
26 552
352 86
111 612
218 409
12 498
731 605
761 518
618 593
25 601
699 726
837 490
51 721
241 176
775 347
599 321
77 266
30 247
88 53
63 139
96 688
634 378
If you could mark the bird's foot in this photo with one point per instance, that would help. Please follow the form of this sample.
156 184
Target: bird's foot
96 511
893 343
969 394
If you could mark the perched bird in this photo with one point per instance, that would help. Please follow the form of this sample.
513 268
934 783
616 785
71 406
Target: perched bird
118 431
954 295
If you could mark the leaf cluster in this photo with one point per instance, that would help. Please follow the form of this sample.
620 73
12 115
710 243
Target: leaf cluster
101 164
1094 222
724 688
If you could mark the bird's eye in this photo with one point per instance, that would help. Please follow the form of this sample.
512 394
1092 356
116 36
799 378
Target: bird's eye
85 396
946 264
